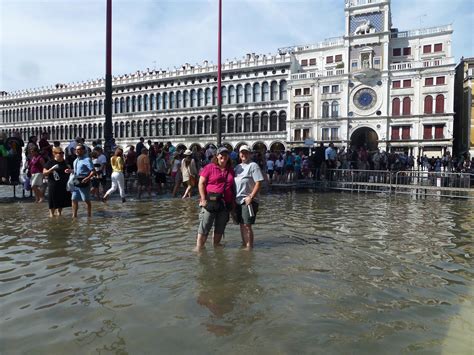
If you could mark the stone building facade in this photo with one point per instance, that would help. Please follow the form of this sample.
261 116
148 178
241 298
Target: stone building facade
374 86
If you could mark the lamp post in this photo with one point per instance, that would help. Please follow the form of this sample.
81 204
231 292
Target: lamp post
219 77
108 82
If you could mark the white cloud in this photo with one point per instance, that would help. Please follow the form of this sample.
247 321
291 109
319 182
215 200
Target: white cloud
45 42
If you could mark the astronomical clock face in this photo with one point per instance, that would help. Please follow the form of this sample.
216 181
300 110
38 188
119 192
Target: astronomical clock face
365 99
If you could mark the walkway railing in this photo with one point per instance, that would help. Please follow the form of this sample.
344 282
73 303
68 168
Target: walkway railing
412 182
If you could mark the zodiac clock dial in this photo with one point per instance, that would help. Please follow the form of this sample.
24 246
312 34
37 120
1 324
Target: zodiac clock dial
365 99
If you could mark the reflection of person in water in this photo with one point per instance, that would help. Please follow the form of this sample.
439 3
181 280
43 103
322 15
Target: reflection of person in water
221 284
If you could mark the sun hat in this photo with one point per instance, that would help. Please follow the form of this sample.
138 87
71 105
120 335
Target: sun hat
188 152
244 148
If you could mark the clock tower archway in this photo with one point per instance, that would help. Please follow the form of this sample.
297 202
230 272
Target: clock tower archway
365 137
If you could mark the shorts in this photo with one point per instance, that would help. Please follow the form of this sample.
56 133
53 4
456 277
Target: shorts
243 214
208 219
160 178
279 170
143 179
81 194
290 168
37 179
270 173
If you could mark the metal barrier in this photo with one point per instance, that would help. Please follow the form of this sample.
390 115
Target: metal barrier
412 182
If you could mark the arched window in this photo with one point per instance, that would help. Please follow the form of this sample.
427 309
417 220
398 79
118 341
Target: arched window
273 121
134 129
152 128
248 93
152 102
428 107
122 130
127 130
116 105
230 124
185 126
214 124
207 125
256 92
158 127
255 122
264 123
134 103
265 92
247 122
179 99
166 106
200 124
325 109
396 107
306 110
186 98
208 97
193 98
223 124
238 123
283 90
297 111
282 121
145 104
406 106
239 94
139 128
127 104
91 108
172 102
274 91
159 104
224 95
232 95
96 108
440 104
178 126
145 128
80 109
335 109
200 98
122 105
214 96
172 132
192 126
165 126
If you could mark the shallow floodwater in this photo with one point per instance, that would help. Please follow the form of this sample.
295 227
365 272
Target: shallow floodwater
330 274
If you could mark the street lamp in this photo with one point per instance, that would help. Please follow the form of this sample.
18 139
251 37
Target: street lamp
219 76
108 82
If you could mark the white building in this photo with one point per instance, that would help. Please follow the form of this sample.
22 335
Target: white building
374 86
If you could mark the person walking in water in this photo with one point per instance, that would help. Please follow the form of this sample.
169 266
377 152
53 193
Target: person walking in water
83 172
57 170
216 196
118 180
36 170
248 181
189 172
144 172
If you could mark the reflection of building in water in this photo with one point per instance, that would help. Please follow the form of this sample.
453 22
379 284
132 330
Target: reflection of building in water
374 86
222 283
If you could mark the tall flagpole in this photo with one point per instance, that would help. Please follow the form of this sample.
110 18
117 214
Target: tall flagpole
108 82
219 77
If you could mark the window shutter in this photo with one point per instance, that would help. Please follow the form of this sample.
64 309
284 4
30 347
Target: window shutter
396 107
440 80
338 58
407 51
428 81
397 52
427 132
406 106
428 104
438 47
439 131
304 62
395 133
427 48
406 132
396 84
329 60
407 83
440 104
312 61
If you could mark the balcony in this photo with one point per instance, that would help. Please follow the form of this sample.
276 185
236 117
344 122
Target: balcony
422 32
317 74
422 64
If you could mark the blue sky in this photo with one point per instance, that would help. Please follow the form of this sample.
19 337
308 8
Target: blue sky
44 42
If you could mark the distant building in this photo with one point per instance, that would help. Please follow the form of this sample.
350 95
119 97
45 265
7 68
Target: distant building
374 86
464 108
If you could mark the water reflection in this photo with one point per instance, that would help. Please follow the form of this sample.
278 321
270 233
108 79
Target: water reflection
225 285
346 273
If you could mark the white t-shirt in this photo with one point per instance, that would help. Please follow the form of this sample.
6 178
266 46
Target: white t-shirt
280 163
245 177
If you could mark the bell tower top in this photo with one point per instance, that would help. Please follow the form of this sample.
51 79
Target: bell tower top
367 17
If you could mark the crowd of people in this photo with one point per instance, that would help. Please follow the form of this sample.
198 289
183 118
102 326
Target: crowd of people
227 181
